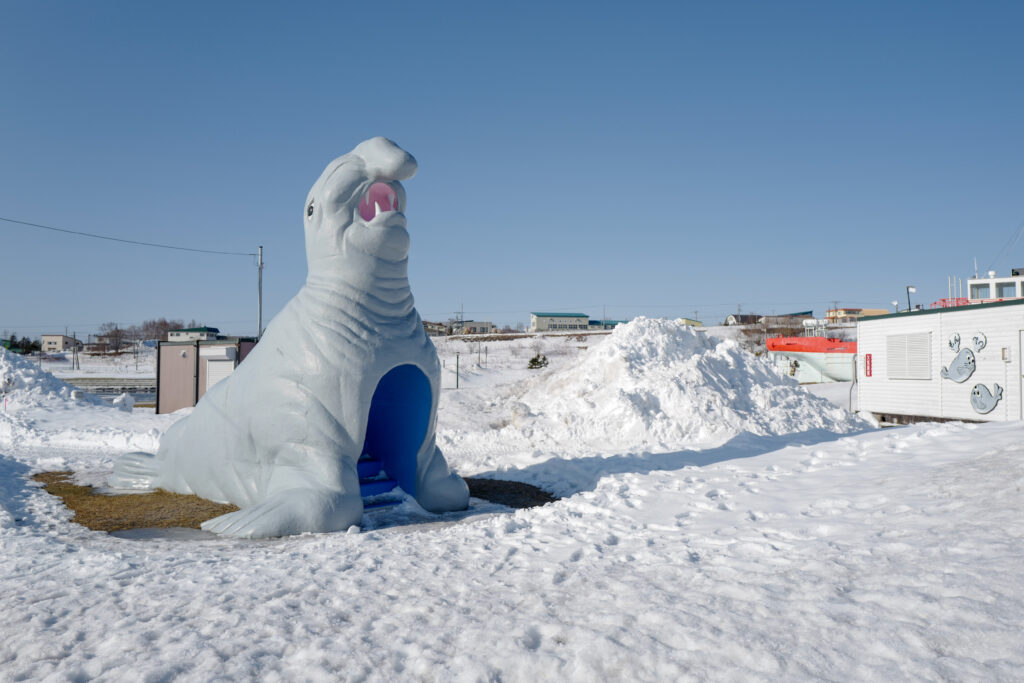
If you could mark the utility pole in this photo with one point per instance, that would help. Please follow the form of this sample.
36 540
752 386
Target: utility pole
460 317
259 296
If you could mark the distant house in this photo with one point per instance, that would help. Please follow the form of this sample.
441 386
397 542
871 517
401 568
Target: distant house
102 343
850 315
472 327
435 329
786 321
743 319
542 322
690 322
193 334
57 343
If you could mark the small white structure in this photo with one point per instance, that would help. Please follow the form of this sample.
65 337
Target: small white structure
958 363
744 319
542 322
56 343
435 329
992 288
193 334
472 327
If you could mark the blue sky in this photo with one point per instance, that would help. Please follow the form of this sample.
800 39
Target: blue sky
658 159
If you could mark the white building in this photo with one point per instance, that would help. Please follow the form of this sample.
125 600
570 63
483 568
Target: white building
472 327
744 319
542 322
55 343
193 334
435 329
961 363
991 288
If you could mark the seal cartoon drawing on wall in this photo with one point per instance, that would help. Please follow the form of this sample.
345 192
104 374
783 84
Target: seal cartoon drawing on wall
961 368
344 369
983 400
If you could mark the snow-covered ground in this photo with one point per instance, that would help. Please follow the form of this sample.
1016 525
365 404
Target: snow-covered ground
124 364
717 522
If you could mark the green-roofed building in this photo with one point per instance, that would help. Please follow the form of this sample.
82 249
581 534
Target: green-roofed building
193 334
561 322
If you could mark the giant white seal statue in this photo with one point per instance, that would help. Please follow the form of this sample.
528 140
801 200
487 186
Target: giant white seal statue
345 368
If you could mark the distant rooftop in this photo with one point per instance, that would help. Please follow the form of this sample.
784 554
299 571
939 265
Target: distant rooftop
197 329
560 315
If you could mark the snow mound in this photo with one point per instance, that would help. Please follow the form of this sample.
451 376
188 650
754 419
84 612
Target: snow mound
26 383
654 382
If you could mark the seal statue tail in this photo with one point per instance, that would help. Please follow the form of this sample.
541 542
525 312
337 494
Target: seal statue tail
135 471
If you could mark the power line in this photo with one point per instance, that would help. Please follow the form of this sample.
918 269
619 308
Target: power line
119 239
1010 243
682 305
12 326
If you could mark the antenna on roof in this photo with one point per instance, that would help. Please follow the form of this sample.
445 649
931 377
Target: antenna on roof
975 267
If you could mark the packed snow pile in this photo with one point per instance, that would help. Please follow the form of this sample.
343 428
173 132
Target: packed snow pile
655 383
39 410
24 382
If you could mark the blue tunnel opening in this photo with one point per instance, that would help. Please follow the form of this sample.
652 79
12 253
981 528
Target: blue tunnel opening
397 424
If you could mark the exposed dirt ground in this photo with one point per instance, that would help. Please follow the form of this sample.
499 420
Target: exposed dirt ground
161 509
131 510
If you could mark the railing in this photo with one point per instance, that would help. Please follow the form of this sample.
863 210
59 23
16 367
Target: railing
104 385
960 301
950 303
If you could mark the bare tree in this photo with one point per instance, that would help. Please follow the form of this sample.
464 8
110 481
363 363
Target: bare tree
114 335
157 329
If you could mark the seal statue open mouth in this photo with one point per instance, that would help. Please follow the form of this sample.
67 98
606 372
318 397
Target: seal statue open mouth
380 198
345 369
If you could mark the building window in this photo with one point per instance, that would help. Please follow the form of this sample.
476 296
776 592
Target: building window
909 356
979 291
1006 290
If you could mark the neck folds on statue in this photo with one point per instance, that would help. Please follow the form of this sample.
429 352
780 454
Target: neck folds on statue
375 283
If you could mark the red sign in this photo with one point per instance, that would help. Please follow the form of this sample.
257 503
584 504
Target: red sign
867 364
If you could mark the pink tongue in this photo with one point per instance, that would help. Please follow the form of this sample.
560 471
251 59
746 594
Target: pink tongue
379 193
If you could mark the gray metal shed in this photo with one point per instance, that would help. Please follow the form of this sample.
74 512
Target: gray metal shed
186 370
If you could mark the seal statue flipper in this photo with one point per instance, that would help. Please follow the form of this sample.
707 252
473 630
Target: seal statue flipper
440 485
297 503
295 511
135 471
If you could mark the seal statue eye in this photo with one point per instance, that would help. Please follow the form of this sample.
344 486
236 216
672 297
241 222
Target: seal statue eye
309 209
